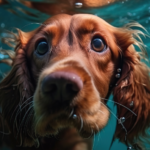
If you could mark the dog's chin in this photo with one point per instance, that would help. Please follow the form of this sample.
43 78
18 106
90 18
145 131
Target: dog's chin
85 124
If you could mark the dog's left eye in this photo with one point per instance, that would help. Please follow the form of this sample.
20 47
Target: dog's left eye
98 44
42 47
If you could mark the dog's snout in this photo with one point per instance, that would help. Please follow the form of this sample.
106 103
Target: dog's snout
61 86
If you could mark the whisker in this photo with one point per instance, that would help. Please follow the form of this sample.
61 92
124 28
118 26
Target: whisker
3 132
93 141
81 124
116 118
18 112
96 127
101 112
91 134
18 106
26 100
30 108
98 137
21 100
29 119
21 127
25 129
20 109
71 112
120 105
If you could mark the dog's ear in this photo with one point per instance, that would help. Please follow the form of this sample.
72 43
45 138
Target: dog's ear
132 90
16 89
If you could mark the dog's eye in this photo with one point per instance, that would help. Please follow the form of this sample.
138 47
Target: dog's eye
42 47
98 44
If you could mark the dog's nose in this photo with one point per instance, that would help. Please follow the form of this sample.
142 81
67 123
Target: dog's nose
61 86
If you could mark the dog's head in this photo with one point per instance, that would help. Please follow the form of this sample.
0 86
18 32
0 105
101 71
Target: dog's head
63 72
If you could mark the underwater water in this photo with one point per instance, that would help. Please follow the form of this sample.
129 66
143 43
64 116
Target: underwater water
117 14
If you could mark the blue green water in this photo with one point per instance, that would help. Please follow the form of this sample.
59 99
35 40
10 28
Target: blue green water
117 14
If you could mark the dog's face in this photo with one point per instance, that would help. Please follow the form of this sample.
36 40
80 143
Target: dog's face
72 62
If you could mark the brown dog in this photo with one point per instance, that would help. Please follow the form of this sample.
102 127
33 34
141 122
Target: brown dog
61 75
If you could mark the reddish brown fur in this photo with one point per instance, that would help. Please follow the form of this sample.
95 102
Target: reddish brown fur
70 39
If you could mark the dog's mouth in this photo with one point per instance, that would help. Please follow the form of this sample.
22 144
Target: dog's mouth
86 121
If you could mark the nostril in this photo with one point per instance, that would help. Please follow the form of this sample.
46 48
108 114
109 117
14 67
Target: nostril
72 88
51 88
49 85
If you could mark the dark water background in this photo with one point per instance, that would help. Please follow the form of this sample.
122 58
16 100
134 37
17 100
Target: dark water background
117 14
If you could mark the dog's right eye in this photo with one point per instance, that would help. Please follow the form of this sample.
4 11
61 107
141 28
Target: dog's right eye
42 47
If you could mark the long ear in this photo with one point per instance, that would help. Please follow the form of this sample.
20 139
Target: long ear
16 90
132 91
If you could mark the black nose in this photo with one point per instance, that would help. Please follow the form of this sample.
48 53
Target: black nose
61 86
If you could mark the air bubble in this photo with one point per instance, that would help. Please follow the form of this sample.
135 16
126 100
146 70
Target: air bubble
74 116
78 5
2 25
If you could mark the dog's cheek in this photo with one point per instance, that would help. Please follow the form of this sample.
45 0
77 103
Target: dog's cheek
91 108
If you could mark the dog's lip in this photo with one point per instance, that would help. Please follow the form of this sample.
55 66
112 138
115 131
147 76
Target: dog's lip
62 119
61 113
73 121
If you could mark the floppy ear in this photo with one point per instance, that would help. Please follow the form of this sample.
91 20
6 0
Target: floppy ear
132 91
16 90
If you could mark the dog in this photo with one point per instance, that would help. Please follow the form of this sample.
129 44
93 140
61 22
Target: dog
62 76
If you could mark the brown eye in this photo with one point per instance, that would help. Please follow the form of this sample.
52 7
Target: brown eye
42 47
98 45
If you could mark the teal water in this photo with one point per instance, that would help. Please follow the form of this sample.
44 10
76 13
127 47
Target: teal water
117 14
